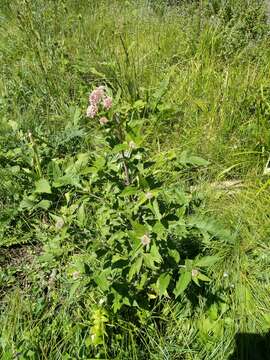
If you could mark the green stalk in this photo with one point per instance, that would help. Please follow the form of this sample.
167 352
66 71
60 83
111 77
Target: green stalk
36 158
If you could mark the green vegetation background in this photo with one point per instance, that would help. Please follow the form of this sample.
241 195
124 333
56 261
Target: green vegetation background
51 54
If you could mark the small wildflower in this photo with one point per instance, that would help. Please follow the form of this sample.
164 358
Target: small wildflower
59 223
101 301
149 195
96 95
103 120
145 240
91 111
132 145
107 102
76 275
225 274
194 272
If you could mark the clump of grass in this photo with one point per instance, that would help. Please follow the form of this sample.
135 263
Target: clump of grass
212 61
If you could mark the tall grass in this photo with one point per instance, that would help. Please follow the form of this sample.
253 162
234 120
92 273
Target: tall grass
218 101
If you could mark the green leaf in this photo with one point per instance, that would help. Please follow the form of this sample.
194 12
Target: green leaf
27 203
69 179
175 255
99 163
163 283
203 277
149 262
97 73
44 204
186 159
154 252
81 216
156 210
129 190
182 283
119 147
135 268
159 230
206 261
43 187
101 281
143 281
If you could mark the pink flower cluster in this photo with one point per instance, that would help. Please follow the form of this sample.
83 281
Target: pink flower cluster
95 98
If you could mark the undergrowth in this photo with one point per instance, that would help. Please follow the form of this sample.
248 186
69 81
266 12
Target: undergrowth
142 232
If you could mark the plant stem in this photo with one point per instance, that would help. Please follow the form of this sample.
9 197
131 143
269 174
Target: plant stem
36 156
121 138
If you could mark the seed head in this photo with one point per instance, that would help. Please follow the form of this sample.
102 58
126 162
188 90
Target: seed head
145 240
59 224
76 275
149 195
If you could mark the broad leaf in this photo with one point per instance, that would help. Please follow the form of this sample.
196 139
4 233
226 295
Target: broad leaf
206 261
43 187
163 283
182 283
135 268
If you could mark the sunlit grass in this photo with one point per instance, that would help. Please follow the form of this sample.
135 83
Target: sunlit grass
52 54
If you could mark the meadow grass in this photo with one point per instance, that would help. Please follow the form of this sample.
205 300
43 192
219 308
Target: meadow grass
211 60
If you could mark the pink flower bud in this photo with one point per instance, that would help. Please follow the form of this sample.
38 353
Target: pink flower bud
107 102
103 120
96 95
91 111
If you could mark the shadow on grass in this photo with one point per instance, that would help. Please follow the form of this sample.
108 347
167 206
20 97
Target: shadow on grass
251 347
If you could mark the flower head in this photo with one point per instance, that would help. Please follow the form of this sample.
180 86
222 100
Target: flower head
76 275
194 272
96 95
92 111
107 102
145 240
148 195
59 223
103 120
132 145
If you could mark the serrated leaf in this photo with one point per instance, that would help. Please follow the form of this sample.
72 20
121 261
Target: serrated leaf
156 209
119 147
175 255
135 268
159 229
43 187
129 190
149 261
81 216
163 283
101 281
182 283
154 252
26 203
44 204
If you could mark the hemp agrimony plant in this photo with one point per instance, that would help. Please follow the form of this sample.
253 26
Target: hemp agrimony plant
140 222
126 209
